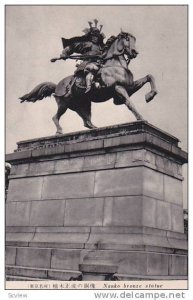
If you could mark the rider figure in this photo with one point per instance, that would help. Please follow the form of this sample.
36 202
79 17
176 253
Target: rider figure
90 46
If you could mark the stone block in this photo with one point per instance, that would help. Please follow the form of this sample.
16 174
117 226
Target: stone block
178 265
38 152
10 255
178 244
55 150
150 157
173 190
68 165
22 169
17 244
130 158
160 162
98 268
25 189
39 168
138 155
176 235
17 213
52 149
172 168
18 155
179 152
93 277
157 264
89 145
177 217
153 184
68 186
159 243
108 211
13 169
67 239
65 259
116 229
33 257
154 231
111 142
133 263
47 213
123 211
132 139
95 162
53 245
149 212
20 229
124 159
119 182
124 140
19 237
115 241
163 215
168 165
179 169
175 169
27 272
154 140
62 229
84 212
65 275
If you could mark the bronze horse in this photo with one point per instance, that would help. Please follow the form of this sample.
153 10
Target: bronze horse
116 81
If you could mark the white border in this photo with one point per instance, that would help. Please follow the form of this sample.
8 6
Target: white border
86 294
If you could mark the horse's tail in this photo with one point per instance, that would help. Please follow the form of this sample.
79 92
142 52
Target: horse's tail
41 91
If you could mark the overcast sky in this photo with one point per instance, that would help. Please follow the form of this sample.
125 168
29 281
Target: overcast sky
33 37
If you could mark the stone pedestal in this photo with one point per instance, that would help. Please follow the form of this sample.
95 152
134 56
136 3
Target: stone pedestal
102 204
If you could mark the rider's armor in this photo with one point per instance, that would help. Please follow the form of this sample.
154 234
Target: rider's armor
90 46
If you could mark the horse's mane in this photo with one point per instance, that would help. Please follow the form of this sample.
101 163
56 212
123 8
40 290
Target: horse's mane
109 42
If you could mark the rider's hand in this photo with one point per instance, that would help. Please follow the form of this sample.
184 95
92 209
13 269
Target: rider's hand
63 56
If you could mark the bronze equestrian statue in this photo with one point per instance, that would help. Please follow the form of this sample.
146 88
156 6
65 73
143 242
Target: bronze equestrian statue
102 75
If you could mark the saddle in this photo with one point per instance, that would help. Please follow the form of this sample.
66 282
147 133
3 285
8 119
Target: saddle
79 82
76 84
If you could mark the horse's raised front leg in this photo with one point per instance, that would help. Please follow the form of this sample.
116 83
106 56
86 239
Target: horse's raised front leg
121 92
62 107
137 85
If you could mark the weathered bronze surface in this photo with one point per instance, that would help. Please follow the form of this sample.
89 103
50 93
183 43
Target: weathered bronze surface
103 74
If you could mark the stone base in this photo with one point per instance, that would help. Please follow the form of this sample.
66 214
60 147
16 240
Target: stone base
104 204
76 264
100 253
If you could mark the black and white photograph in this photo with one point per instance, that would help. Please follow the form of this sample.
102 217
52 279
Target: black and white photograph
96 147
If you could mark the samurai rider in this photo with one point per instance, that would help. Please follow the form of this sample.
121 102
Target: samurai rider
90 45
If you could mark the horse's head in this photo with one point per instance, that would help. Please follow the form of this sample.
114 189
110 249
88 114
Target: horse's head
127 44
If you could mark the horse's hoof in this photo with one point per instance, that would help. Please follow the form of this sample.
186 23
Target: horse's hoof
150 96
59 132
93 127
140 119
90 126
